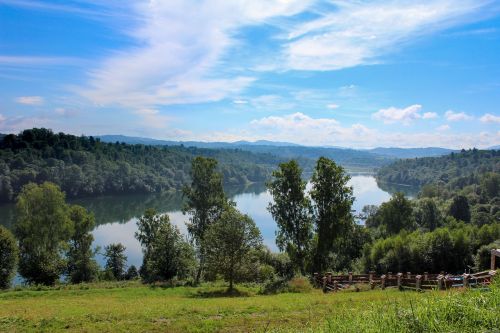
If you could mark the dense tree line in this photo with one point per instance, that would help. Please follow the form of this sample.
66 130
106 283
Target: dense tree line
84 166
453 171
451 225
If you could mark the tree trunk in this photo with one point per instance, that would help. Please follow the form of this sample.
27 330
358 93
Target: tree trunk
200 270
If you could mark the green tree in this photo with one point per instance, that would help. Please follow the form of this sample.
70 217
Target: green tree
43 228
229 240
428 215
490 184
332 209
205 202
460 208
166 253
291 209
148 230
8 257
82 266
396 214
116 260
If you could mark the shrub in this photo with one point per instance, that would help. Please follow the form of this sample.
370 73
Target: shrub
299 284
8 257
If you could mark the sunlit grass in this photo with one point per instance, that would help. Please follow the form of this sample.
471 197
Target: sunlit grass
132 307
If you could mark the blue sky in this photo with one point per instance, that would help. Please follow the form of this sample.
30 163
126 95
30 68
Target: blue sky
340 73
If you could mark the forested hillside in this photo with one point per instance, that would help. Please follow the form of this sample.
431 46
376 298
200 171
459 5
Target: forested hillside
456 170
84 166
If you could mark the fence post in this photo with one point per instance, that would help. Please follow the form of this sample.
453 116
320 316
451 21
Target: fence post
408 275
466 280
335 285
382 281
329 277
315 279
350 277
440 279
399 275
389 275
324 283
426 276
370 275
418 284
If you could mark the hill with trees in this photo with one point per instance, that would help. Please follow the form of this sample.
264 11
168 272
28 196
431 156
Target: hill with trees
455 170
84 166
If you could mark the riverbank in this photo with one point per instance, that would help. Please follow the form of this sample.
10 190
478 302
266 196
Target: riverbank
133 307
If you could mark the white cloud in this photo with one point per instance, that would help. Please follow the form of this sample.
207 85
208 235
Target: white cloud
490 118
457 116
30 100
333 106
240 101
443 128
65 112
429 115
180 45
152 118
360 32
393 114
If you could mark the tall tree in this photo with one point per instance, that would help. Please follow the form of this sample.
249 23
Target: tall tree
396 214
229 240
148 230
43 228
166 253
291 209
116 260
8 257
205 202
82 266
460 208
428 215
332 209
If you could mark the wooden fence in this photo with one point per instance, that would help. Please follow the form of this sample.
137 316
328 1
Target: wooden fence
331 283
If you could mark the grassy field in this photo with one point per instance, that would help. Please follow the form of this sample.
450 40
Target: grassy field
132 307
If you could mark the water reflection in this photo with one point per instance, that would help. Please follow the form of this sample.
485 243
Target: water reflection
116 216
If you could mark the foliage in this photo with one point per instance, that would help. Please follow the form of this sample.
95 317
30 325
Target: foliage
205 202
229 240
454 171
334 222
166 253
482 259
451 249
393 216
291 209
85 166
132 273
8 257
82 266
43 228
460 209
116 261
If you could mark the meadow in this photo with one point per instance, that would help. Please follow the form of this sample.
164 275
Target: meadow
134 307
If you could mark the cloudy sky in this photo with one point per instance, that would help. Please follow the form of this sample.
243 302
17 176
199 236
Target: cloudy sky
315 72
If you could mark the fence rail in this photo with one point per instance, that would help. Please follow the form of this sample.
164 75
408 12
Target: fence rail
332 283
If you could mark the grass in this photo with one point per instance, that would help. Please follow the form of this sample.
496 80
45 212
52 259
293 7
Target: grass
132 307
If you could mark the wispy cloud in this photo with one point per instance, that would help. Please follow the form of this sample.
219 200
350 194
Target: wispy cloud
429 115
490 118
181 45
457 116
362 32
399 115
30 100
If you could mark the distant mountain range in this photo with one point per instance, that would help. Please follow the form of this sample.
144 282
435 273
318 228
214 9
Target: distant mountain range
349 157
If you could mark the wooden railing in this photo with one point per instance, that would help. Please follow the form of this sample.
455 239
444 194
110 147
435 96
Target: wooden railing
331 283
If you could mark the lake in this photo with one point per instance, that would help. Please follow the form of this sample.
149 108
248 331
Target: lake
116 216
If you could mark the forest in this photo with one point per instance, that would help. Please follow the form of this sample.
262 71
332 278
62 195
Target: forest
85 166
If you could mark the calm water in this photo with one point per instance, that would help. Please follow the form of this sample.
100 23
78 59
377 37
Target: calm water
116 216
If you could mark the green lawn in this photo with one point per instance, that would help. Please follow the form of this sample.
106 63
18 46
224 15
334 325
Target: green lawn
133 307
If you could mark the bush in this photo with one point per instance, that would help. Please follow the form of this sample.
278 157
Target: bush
299 284
8 257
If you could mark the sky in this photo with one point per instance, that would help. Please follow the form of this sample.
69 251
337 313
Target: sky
357 74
